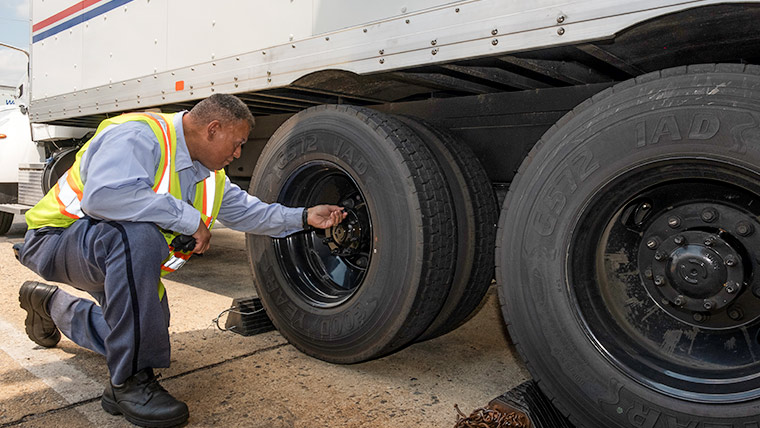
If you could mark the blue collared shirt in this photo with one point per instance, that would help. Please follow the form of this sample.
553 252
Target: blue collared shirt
118 170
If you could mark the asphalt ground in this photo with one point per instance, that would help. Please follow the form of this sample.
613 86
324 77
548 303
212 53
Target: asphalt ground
258 381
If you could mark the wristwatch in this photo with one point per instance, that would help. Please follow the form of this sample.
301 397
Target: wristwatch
305 219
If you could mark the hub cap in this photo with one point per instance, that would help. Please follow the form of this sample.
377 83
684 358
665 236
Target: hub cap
664 278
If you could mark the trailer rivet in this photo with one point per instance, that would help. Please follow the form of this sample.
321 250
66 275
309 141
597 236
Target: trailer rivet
381 51
327 39
433 42
456 10
495 42
382 60
364 30
407 21
560 31
494 32
561 19
434 51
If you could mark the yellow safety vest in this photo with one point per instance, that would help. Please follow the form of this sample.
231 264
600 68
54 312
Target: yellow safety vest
61 206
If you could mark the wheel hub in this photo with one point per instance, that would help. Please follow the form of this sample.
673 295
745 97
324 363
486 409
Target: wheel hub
693 260
345 237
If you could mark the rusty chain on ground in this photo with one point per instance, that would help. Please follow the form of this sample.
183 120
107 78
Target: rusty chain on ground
486 417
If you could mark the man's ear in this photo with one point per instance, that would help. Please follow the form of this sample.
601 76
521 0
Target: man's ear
212 128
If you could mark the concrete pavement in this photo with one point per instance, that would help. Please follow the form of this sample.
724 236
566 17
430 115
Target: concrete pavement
258 381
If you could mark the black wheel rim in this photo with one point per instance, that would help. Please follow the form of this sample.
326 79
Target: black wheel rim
326 267
662 270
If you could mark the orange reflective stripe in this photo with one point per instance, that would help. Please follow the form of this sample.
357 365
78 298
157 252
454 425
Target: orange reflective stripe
61 205
74 187
166 144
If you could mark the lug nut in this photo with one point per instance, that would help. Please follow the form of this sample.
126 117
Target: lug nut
674 222
744 229
659 280
659 256
679 300
729 261
652 243
679 240
698 317
730 288
735 314
648 273
709 241
708 304
709 215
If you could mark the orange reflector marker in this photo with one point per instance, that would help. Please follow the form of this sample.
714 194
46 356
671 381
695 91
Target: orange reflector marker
2 136
179 85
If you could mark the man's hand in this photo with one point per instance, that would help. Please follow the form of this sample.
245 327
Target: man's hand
324 216
202 239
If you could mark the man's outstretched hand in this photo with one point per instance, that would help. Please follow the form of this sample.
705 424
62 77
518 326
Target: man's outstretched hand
324 216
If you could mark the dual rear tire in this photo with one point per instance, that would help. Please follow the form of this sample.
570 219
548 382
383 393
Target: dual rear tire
382 278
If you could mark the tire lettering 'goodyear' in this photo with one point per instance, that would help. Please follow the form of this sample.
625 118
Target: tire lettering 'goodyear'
339 325
553 198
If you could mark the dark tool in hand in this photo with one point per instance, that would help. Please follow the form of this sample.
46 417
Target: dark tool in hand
183 243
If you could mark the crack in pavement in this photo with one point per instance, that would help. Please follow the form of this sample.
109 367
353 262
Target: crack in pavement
33 416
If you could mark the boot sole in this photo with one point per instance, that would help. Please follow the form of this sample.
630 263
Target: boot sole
26 305
113 408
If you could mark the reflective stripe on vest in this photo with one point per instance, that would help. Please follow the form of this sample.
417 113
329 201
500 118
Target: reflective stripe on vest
177 259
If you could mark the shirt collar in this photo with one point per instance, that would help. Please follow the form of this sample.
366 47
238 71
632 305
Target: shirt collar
182 158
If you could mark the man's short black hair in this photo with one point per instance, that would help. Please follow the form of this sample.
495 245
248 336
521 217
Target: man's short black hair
224 108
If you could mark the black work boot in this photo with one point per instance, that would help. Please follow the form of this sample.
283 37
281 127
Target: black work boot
144 402
34 298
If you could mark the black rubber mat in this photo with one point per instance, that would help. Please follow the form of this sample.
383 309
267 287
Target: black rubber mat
528 399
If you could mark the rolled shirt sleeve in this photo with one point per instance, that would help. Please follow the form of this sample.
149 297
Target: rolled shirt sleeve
118 170
246 213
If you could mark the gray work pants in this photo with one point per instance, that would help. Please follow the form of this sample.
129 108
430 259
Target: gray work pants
119 264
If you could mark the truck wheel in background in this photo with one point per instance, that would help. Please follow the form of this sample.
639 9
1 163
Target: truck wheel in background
6 220
375 282
627 253
476 216
59 163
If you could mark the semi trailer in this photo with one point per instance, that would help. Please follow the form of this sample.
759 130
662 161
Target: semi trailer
599 159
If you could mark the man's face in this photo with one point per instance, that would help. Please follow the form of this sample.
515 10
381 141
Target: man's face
224 143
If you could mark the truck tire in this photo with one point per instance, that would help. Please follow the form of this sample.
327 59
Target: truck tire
627 253
476 215
59 163
374 283
6 220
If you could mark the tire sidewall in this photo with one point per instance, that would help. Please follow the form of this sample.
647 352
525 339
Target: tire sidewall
591 146
380 305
